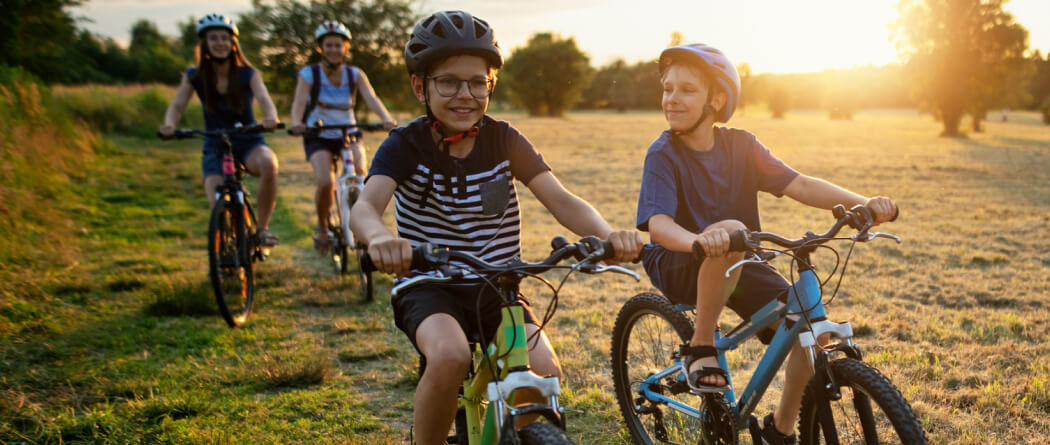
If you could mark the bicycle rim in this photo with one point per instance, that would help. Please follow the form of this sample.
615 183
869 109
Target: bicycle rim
870 411
230 266
646 335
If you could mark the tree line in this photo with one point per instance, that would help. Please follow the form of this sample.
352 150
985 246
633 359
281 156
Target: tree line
962 57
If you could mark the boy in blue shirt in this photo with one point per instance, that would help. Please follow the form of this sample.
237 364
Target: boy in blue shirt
700 183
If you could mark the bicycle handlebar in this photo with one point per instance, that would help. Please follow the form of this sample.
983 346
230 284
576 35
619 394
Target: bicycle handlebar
184 133
859 217
426 257
317 129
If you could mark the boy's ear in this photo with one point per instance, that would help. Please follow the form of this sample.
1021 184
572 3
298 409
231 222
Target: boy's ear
719 99
417 88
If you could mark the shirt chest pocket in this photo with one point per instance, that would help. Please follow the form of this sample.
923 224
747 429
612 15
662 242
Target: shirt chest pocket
495 196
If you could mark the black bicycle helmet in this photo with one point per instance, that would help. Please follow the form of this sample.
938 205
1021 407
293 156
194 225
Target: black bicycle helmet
450 33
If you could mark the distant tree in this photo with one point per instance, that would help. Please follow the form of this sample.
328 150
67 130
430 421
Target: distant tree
278 37
547 75
959 54
153 54
187 40
779 101
35 34
676 39
1039 87
648 91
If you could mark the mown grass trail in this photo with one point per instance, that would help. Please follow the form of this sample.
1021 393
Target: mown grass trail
124 346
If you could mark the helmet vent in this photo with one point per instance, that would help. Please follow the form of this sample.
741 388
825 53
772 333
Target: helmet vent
427 22
457 21
416 48
439 30
478 29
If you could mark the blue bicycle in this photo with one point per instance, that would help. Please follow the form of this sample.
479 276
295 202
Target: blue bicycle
846 401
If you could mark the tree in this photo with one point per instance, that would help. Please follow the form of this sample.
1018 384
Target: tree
279 38
153 54
547 75
35 35
960 55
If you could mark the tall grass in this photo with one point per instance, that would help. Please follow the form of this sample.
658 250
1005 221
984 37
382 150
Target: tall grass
135 110
44 157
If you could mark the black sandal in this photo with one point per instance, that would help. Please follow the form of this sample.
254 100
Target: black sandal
691 354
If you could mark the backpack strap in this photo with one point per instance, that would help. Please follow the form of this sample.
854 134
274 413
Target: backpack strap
315 91
351 76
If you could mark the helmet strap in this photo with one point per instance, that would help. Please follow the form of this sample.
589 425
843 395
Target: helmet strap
472 132
709 110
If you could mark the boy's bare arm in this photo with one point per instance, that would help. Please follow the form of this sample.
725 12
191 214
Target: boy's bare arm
822 194
581 218
389 253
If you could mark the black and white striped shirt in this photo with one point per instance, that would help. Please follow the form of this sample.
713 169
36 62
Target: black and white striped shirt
469 204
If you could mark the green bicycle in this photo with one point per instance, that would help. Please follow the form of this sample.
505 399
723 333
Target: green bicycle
486 413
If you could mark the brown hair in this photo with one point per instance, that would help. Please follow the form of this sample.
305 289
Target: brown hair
209 82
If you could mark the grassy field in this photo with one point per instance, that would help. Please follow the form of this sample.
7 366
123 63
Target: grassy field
123 345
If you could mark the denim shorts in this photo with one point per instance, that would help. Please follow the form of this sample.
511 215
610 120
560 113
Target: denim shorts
674 273
211 156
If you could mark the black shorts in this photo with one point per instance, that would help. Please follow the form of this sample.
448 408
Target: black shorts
458 300
674 273
312 144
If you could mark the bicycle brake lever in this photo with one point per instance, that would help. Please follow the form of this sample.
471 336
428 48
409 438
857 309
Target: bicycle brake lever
619 270
749 260
870 236
418 280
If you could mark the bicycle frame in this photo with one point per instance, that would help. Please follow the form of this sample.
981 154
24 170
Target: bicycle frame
803 294
346 182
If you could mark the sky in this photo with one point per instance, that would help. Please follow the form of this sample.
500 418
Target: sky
769 35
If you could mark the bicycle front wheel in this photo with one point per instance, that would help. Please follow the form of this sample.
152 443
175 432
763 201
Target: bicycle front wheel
645 338
539 433
871 410
229 261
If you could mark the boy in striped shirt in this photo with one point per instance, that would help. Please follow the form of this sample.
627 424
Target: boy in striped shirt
451 174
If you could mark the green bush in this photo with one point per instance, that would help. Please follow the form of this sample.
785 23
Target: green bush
124 110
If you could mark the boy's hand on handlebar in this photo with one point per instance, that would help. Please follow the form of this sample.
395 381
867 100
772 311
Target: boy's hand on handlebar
714 240
391 255
883 208
627 244
269 123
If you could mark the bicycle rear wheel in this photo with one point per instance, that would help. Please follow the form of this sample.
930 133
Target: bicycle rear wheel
229 261
871 410
645 338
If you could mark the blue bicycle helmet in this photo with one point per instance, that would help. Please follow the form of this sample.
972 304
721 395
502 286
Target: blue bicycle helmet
713 62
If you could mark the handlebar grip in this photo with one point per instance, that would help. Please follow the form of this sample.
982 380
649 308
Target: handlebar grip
420 260
367 266
737 243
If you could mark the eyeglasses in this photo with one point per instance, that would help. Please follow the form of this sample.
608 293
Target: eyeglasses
449 86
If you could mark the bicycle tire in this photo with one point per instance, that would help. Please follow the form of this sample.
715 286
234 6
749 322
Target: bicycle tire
860 384
540 433
230 263
360 249
646 334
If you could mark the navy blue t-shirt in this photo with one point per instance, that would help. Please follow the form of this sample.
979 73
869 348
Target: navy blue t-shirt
700 188
224 116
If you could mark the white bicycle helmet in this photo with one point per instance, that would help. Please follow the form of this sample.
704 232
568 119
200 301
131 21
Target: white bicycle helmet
331 27
215 21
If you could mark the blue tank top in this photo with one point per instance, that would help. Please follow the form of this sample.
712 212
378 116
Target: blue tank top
224 116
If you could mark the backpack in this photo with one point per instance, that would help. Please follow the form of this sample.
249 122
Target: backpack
315 88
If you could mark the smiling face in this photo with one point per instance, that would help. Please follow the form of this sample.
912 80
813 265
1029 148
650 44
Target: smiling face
685 93
461 111
219 41
334 48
